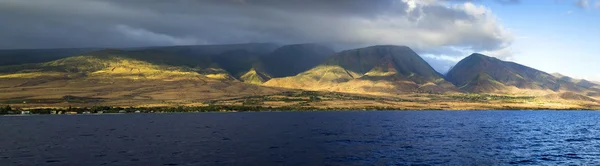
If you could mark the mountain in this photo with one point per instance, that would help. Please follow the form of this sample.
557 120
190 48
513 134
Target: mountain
382 69
237 62
266 75
478 73
253 63
255 76
113 64
137 77
290 60
579 82
200 55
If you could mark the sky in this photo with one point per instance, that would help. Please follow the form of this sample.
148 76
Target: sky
550 35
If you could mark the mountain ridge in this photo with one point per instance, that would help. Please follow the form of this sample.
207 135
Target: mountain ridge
385 70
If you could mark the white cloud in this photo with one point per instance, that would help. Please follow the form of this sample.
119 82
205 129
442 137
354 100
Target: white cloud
152 37
504 54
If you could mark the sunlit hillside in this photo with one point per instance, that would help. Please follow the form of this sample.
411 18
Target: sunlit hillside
200 75
387 70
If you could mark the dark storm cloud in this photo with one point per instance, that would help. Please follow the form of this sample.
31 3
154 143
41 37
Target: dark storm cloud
425 25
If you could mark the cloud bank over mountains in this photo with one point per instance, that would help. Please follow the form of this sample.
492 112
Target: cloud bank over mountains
439 28
425 25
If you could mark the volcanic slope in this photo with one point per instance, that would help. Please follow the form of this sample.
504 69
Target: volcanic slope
381 69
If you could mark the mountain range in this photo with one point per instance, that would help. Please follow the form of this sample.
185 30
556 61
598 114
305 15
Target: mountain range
190 74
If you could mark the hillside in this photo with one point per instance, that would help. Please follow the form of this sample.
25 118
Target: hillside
580 82
290 60
137 77
482 74
229 74
192 55
376 69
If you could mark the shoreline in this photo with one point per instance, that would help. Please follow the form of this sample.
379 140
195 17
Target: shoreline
280 111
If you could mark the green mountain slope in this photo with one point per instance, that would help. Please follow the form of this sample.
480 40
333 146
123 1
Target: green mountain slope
376 69
196 55
482 74
114 64
233 60
125 77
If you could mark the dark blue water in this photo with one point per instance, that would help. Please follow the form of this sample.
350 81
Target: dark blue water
305 138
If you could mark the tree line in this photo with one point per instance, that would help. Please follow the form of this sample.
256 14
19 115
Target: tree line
211 108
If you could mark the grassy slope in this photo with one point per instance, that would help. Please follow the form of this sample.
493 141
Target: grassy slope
121 78
373 70
171 76
482 74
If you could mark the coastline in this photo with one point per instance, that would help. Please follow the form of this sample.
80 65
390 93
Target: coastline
230 109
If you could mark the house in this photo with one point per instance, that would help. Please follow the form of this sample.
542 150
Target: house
25 112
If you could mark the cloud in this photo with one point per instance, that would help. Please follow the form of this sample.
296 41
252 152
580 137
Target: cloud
428 26
597 5
584 4
504 2
143 35
509 1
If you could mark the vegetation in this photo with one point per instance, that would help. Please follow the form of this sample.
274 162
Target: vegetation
250 77
479 73
371 70
490 97
5 110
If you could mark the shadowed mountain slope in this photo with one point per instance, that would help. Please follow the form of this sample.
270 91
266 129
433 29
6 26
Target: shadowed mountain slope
125 77
191 74
194 53
377 69
113 64
290 60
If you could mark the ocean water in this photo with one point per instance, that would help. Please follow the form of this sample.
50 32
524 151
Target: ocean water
305 138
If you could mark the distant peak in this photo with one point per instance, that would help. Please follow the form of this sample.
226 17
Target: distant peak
558 75
389 46
479 55
304 45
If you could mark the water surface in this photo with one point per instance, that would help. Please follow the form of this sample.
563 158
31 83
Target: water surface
305 138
